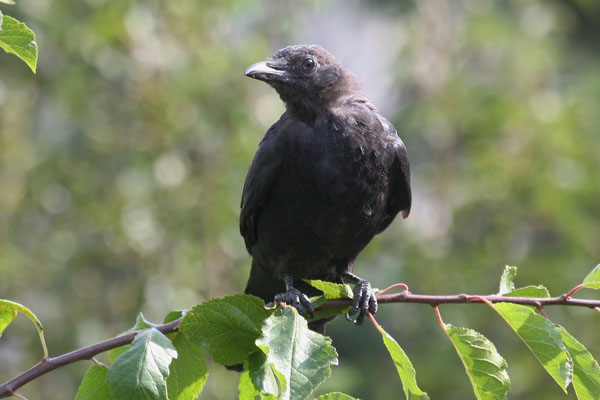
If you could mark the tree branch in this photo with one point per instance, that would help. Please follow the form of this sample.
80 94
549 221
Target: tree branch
435 300
87 353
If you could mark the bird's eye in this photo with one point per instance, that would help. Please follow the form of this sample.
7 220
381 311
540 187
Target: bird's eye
308 64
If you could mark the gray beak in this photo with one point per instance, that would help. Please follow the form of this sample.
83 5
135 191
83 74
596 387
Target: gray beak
264 71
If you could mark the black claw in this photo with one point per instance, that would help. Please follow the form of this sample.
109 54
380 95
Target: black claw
364 300
372 304
360 318
298 300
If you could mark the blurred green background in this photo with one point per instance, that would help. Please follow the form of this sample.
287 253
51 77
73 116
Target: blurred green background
122 163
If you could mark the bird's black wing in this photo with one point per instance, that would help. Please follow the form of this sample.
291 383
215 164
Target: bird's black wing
261 175
400 196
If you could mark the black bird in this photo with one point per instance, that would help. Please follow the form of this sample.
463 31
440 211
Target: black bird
327 177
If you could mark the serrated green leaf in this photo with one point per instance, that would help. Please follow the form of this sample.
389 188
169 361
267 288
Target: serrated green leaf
227 328
484 366
258 379
8 312
405 368
543 338
141 372
188 372
529 291
335 396
331 290
506 281
16 38
301 357
93 386
586 372
592 280
140 324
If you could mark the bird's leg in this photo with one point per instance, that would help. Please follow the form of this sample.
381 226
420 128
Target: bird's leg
364 298
295 298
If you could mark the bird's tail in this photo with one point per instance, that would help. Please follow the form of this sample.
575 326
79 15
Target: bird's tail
263 283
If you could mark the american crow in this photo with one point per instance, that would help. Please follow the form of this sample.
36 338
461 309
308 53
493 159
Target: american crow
327 177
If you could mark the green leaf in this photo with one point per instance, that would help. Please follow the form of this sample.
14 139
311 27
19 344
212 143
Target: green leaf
7 1
507 287
301 357
141 372
188 372
16 38
326 312
140 324
586 372
543 338
485 367
247 391
405 368
335 396
172 316
260 372
506 281
592 280
529 291
8 312
331 290
227 328
93 386
258 378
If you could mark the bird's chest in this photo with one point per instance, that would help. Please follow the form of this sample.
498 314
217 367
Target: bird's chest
335 175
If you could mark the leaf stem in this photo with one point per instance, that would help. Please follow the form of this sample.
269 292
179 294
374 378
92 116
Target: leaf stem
439 318
575 289
18 396
394 286
373 321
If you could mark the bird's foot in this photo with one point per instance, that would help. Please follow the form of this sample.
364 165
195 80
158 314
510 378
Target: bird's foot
298 300
364 300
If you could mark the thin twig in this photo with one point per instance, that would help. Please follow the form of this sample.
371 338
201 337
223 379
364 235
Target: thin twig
85 353
435 300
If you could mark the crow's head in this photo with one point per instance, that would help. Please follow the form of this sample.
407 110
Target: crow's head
307 77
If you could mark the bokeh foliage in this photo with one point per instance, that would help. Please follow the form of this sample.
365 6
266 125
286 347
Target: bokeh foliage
122 162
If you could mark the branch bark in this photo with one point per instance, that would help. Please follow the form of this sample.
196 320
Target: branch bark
87 353
435 300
